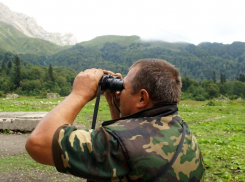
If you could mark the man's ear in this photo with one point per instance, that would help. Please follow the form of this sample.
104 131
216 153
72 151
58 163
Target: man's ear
144 99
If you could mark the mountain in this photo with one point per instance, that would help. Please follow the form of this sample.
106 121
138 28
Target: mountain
14 41
117 53
226 51
29 27
130 40
111 52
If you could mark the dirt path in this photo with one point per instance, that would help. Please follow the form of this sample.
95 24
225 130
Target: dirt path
14 144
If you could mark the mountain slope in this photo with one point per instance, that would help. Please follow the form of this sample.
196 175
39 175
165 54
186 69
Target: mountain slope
29 27
15 41
117 53
131 40
235 50
111 52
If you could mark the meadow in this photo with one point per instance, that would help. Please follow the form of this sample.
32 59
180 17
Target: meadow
218 125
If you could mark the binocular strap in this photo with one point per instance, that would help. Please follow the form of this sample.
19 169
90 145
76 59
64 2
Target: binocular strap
96 107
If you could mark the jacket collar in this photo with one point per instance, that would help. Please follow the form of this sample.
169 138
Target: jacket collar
160 110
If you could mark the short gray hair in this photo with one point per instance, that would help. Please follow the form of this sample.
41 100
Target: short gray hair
159 78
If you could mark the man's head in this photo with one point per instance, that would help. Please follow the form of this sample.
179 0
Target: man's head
160 78
150 82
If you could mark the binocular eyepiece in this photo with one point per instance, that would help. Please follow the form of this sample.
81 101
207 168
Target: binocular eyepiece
112 83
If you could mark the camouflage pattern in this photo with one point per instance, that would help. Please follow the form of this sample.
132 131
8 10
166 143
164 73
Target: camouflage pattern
90 154
129 150
149 144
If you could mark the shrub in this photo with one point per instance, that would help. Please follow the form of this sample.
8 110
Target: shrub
233 97
186 96
211 103
2 94
200 98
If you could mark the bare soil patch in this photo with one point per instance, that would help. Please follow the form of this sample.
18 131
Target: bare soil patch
14 144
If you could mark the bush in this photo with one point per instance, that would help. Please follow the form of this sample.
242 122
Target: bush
200 98
186 96
2 94
233 97
211 103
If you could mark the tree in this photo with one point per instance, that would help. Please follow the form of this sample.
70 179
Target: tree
198 92
187 82
222 78
241 59
222 88
238 88
4 67
17 72
213 90
241 78
10 64
31 86
214 77
50 73
36 73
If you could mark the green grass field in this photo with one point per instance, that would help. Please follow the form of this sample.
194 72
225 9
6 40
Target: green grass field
218 125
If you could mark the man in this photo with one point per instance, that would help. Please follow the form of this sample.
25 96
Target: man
145 141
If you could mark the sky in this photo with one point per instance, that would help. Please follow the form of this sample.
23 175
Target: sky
192 21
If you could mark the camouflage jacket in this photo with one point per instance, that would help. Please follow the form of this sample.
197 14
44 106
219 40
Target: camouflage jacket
149 144
134 148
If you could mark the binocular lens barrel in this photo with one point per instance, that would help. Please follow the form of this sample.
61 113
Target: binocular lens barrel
112 83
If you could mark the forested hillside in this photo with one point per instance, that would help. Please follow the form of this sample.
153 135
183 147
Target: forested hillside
117 53
208 69
197 62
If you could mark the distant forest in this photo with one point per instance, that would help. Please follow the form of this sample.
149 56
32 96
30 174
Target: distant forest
21 77
198 62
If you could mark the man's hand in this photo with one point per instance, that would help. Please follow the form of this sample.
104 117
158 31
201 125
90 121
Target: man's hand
86 83
110 96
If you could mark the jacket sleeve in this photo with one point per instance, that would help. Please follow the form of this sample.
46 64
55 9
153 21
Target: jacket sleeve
90 154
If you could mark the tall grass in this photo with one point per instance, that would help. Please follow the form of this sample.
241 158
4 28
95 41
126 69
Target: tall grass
218 125
220 130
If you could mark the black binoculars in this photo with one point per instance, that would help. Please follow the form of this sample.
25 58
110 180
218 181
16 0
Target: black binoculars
112 83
